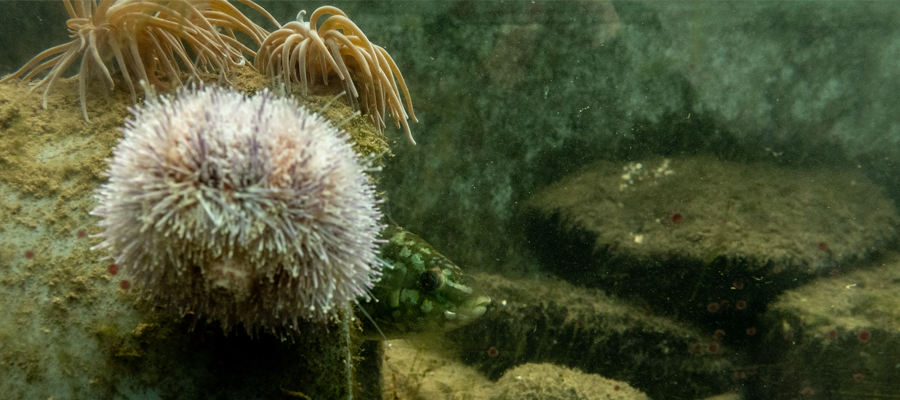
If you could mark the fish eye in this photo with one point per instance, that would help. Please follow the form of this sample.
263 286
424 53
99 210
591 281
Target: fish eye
432 280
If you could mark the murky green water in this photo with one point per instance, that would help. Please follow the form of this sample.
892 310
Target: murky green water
678 199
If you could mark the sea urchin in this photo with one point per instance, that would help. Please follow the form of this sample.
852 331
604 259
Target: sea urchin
240 209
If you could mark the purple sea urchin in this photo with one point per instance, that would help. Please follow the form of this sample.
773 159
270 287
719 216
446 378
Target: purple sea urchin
241 209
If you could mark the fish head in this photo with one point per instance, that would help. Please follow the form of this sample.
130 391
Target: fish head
420 291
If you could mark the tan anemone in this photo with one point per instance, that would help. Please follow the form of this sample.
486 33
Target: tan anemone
146 38
300 51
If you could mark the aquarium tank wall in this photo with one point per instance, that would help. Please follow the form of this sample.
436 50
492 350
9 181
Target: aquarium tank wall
449 200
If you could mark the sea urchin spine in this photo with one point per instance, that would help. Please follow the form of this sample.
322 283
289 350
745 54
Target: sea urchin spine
240 209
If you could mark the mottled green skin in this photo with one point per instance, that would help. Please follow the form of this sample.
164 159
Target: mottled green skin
420 290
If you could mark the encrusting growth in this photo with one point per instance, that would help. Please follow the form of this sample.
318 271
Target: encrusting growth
243 210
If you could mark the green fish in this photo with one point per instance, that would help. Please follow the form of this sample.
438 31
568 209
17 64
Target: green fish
420 291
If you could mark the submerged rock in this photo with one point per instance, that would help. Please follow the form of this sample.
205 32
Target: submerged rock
551 321
835 336
77 328
430 372
707 240
699 209
552 382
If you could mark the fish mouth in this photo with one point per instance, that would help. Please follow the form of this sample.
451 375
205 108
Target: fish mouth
473 308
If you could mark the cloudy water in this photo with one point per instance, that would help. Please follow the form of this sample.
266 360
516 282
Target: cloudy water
451 199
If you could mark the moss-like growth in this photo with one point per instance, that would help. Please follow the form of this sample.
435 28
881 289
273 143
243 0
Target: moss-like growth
835 337
551 321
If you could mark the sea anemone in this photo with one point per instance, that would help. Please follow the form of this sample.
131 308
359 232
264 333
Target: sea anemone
244 210
300 50
145 38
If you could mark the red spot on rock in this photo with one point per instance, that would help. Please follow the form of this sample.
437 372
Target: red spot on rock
113 269
741 305
712 307
677 218
858 378
718 334
823 246
737 285
125 285
713 348
493 352
864 336
82 234
616 388
696 348
751 331
832 334
29 254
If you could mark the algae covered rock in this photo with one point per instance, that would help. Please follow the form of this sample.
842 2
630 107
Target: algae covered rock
77 326
698 209
707 240
835 337
430 371
551 321
552 382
